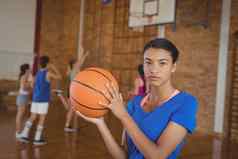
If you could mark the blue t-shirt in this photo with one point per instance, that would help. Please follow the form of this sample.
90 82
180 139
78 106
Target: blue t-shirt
181 109
41 90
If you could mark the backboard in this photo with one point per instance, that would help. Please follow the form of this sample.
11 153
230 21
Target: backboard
151 12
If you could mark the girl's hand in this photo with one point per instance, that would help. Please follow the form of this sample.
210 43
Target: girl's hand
81 56
96 121
116 104
86 54
81 52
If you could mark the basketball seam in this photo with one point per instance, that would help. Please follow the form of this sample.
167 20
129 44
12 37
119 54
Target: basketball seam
91 69
88 86
87 106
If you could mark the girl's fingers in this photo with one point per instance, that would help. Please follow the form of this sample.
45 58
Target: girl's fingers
80 114
109 91
104 104
107 95
84 117
121 98
113 89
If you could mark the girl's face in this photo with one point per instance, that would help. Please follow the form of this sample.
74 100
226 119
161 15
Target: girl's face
158 66
28 71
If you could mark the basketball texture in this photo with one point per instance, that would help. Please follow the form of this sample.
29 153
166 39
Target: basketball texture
86 90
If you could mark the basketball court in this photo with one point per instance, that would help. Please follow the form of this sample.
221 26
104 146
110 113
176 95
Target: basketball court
114 33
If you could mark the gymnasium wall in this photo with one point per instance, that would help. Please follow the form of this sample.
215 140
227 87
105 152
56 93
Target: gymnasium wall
198 47
16 35
116 47
59 32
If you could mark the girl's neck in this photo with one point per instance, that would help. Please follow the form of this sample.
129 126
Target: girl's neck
161 93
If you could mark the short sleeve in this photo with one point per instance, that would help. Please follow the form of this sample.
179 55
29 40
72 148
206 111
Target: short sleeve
130 107
131 104
185 115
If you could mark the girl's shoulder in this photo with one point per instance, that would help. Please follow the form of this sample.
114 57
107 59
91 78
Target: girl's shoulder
23 77
188 96
185 100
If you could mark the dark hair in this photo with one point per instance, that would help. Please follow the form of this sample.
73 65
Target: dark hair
71 63
140 69
23 69
44 60
162 43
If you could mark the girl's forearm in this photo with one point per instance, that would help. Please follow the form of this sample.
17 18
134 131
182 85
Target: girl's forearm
115 150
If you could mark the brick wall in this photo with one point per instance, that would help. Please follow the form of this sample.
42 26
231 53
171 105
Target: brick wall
198 47
114 46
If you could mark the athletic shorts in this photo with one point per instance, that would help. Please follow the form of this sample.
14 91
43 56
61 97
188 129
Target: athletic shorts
39 108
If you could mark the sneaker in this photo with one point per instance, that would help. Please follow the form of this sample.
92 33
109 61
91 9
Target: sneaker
39 142
70 129
57 91
18 135
23 139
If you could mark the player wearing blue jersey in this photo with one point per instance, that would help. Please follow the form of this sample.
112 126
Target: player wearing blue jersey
40 100
156 124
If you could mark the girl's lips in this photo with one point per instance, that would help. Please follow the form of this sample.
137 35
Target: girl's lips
154 77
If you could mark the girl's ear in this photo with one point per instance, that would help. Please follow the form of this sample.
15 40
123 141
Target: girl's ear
174 67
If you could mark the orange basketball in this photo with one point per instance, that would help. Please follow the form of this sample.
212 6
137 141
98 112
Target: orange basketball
86 90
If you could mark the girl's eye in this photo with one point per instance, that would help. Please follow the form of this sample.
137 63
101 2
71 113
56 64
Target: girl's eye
147 62
162 63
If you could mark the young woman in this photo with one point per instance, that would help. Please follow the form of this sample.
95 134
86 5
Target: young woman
139 83
73 68
157 123
40 100
23 96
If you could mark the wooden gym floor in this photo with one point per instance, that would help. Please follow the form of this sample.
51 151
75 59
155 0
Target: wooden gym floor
87 143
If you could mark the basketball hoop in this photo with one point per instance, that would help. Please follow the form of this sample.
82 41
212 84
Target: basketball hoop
151 12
